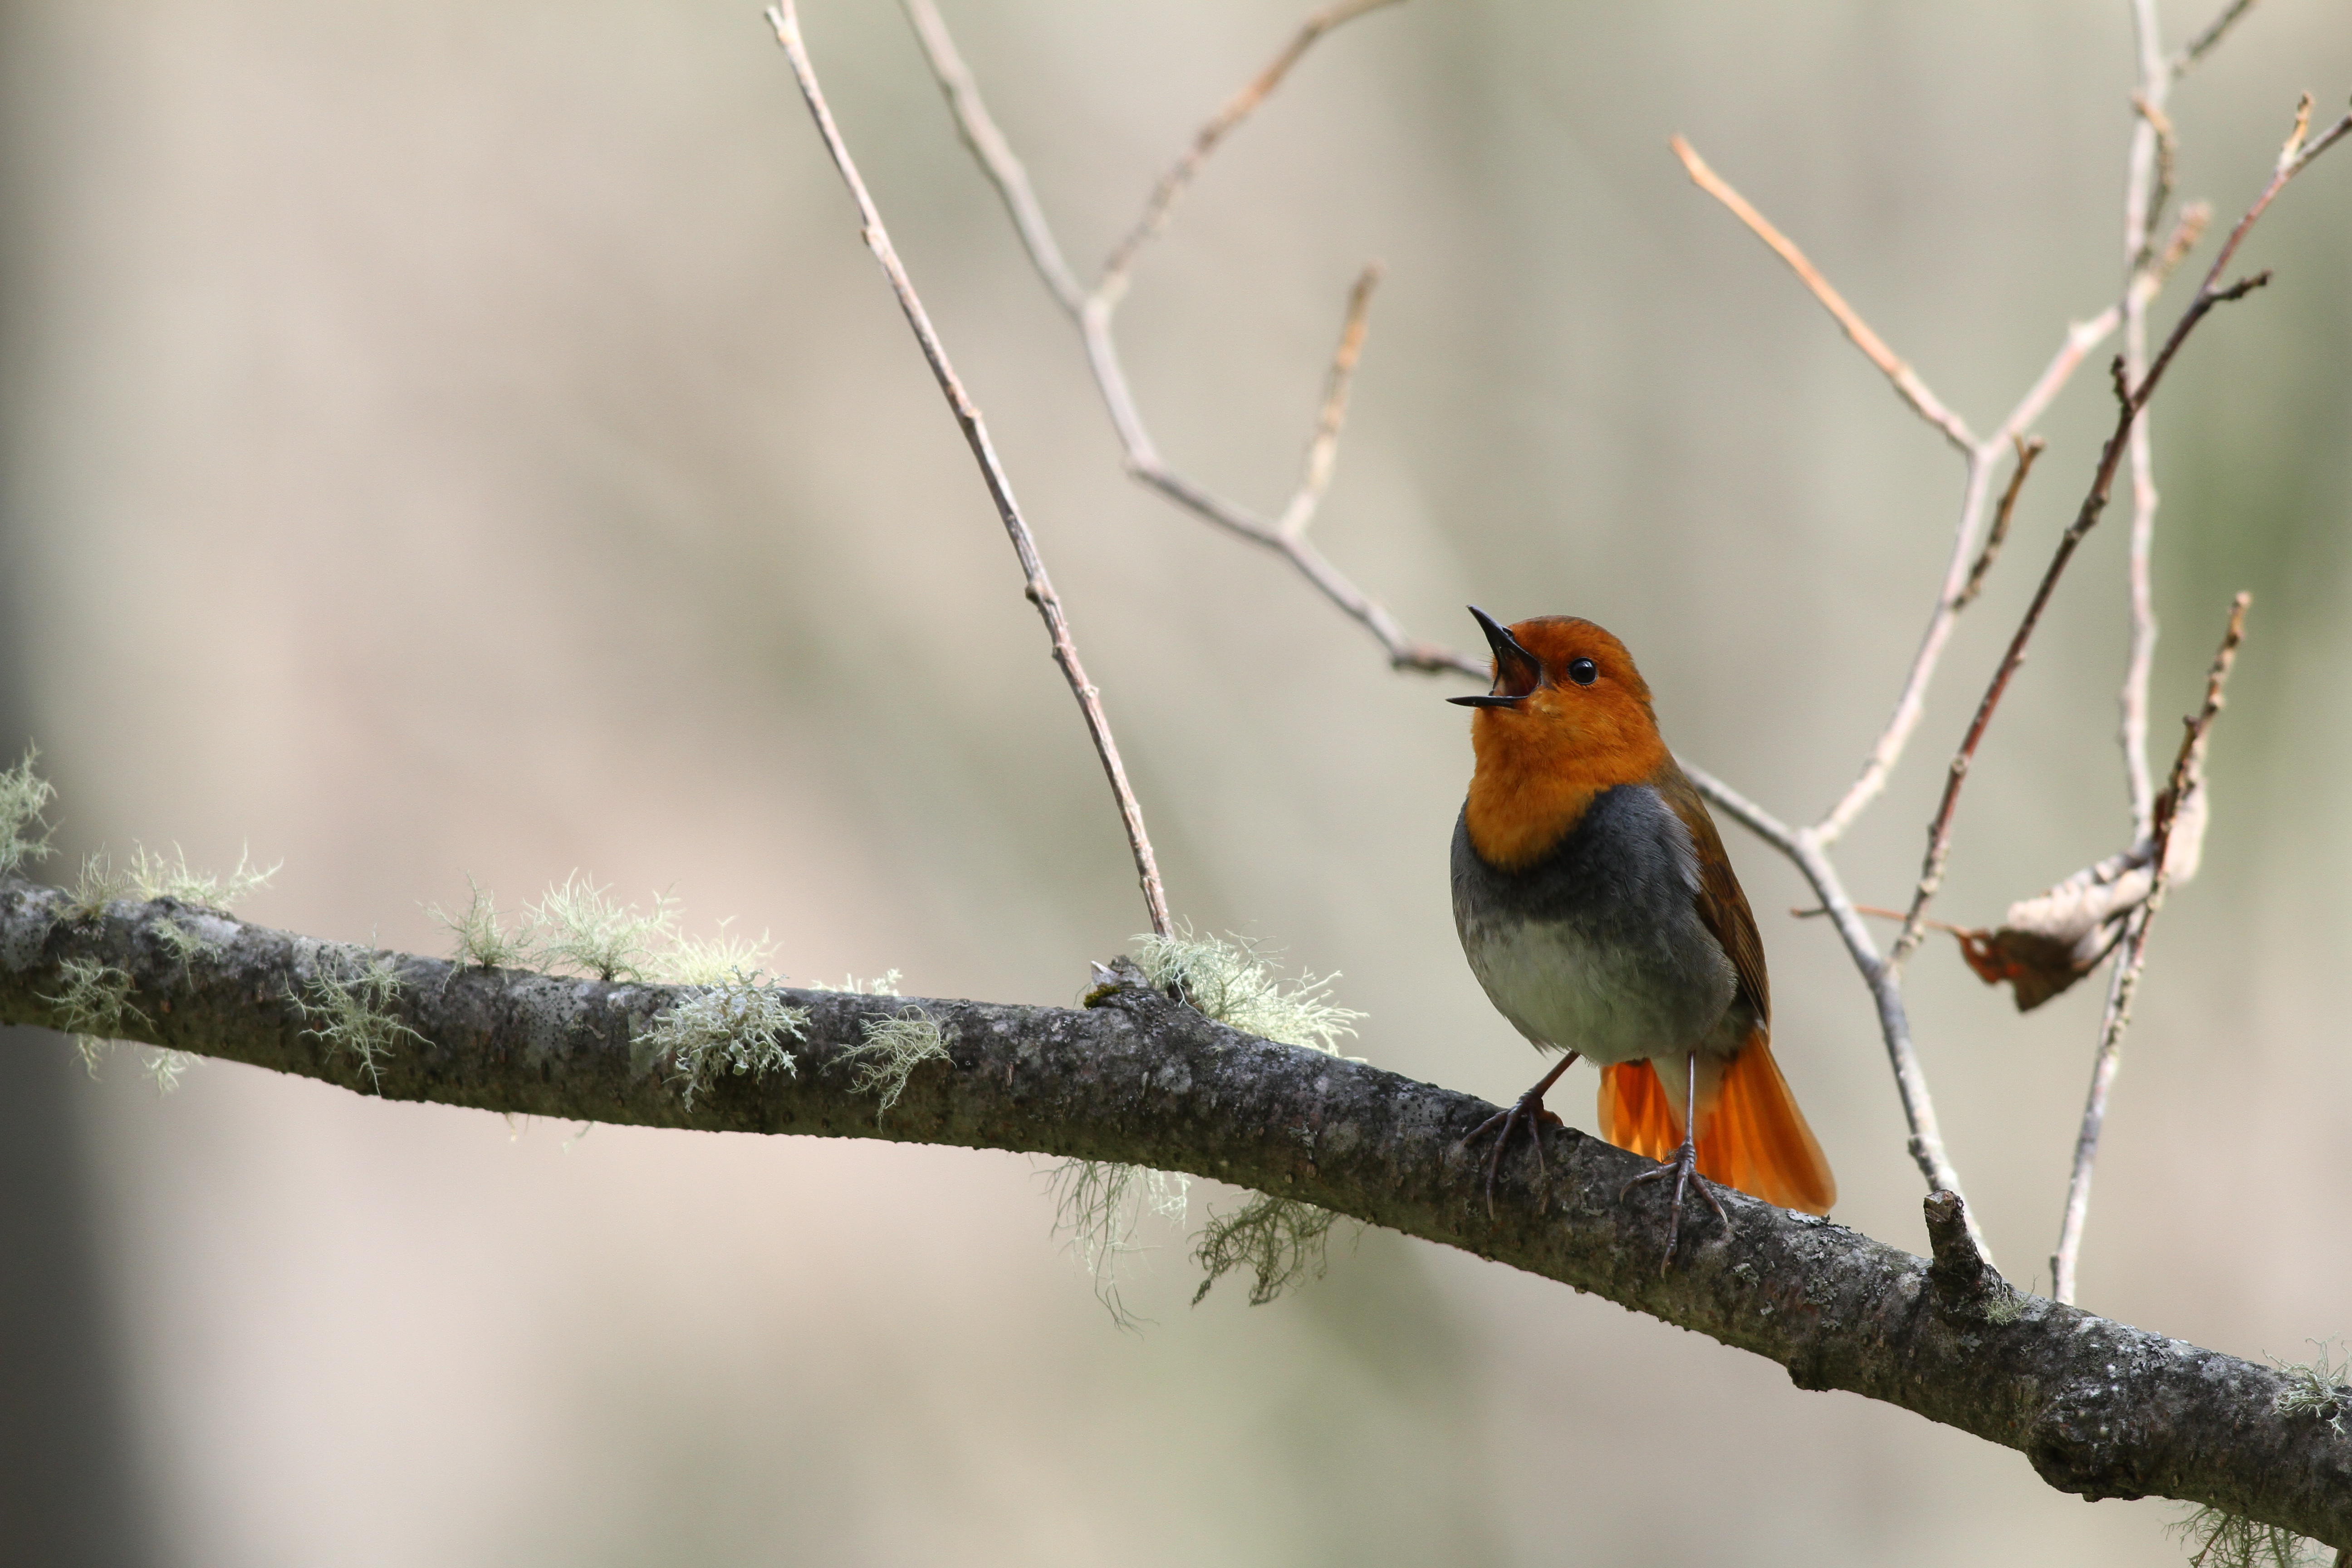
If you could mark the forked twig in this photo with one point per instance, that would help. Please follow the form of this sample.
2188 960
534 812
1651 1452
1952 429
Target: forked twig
1982 456
2026 452
1000 487
1906 382
1804 847
2195 49
1323 451
1236 108
2131 400
1093 310
2187 769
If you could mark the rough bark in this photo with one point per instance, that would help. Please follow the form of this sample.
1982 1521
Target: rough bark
2100 1408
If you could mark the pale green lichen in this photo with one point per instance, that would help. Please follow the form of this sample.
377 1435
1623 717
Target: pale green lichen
738 1027
713 960
2006 1306
888 1052
2318 1387
1099 1205
166 1065
153 877
2216 1539
887 986
185 945
1282 1240
582 925
1231 981
99 885
93 1006
483 937
24 832
346 1005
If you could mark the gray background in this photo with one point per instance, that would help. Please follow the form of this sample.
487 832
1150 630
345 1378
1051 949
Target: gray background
448 438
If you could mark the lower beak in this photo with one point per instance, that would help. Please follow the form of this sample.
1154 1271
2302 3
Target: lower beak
1514 665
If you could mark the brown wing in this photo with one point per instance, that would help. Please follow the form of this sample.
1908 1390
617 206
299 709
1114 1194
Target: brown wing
1722 906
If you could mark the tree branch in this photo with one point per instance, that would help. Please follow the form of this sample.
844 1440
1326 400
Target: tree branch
1893 366
2132 396
2187 769
1236 108
1040 588
1093 310
2101 1409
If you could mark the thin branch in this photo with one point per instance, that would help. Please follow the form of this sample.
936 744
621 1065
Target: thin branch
1000 486
2100 1408
1911 705
2026 452
1804 847
1879 913
2187 769
1236 108
1323 451
1906 380
2147 185
2139 557
1094 309
2132 399
1742 809
2197 47
980 133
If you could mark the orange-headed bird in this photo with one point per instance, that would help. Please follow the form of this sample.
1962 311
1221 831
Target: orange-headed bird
1597 908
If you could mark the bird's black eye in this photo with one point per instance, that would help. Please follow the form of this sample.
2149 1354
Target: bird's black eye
1583 671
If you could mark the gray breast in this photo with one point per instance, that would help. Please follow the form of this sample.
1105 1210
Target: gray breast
1597 947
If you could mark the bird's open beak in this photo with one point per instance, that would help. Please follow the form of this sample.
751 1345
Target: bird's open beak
1516 671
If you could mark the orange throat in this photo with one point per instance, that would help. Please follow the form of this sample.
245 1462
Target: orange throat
1537 775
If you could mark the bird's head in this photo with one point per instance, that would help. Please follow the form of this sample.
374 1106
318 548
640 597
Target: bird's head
1569 717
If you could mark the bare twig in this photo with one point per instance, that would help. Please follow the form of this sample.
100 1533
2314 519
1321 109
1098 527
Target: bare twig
1880 912
2147 186
1324 450
980 132
1093 310
2132 399
2187 769
1911 704
2139 557
2195 50
1000 487
1906 380
1804 847
2026 452
1204 141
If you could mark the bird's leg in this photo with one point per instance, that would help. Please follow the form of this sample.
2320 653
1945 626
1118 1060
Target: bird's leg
1529 1107
1683 1168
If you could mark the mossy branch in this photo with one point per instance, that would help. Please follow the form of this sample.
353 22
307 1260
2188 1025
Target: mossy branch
2100 1408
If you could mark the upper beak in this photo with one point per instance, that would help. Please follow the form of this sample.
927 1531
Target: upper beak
1514 667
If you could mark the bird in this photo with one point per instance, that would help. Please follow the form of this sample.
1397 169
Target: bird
1598 910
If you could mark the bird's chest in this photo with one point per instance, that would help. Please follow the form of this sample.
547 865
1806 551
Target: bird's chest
1597 947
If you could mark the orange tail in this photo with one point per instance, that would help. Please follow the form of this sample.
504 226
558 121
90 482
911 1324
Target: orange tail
1634 1113
1753 1136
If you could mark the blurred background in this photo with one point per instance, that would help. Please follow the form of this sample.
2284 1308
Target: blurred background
469 439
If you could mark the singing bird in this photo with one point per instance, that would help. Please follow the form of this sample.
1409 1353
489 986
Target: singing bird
1597 908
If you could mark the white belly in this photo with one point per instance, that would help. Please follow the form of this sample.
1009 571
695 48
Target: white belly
1611 1000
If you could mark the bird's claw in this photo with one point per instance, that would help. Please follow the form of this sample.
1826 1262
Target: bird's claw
1528 1108
1684 1168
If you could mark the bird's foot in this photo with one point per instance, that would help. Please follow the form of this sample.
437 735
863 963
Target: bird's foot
1684 1168
1529 1108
